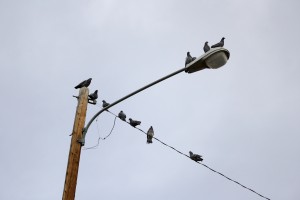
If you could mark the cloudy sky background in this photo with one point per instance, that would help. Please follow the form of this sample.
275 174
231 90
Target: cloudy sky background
243 118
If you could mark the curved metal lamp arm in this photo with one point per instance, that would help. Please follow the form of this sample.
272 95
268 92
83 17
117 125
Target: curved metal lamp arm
82 140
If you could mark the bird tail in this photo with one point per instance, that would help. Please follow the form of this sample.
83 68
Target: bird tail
149 140
76 87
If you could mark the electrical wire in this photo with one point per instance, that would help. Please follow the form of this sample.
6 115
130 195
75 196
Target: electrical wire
100 138
215 171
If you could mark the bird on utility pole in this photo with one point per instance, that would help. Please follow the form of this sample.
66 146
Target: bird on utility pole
84 83
93 96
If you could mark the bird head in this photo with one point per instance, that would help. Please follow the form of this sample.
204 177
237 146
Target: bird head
188 53
223 39
206 42
130 119
103 101
96 91
191 153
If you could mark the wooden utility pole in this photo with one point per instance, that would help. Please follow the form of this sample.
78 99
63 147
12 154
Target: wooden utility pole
75 148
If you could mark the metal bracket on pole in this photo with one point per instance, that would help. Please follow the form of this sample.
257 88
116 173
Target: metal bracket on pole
82 139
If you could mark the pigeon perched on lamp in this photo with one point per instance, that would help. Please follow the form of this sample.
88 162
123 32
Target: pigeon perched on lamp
189 58
219 44
206 47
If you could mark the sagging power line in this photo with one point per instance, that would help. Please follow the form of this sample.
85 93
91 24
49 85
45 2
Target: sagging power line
180 152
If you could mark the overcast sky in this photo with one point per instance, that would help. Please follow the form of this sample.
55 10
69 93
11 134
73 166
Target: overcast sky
242 118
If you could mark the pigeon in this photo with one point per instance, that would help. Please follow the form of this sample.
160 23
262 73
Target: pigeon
189 58
94 95
206 48
104 104
85 83
122 115
134 123
150 134
219 44
195 157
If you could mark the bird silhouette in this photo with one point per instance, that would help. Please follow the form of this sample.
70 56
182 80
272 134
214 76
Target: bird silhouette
195 157
219 44
134 123
189 58
105 104
206 47
94 95
150 134
84 83
122 115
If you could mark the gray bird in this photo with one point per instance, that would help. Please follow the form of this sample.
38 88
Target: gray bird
105 104
219 44
94 95
134 123
189 58
122 115
85 83
150 134
195 157
206 48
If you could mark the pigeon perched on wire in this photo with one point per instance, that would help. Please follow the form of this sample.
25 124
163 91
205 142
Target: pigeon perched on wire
206 47
189 58
150 134
219 44
105 104
195 157
94 95
134 123
85 83
122 115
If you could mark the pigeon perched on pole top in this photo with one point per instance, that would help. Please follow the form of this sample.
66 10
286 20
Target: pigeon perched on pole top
134 123
104 104
206 47
189 58
85 83
219 44
195 157
94 95
122 115
150 134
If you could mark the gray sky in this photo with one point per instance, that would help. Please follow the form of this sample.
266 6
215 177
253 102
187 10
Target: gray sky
243 118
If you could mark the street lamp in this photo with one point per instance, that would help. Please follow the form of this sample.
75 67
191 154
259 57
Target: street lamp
214 58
